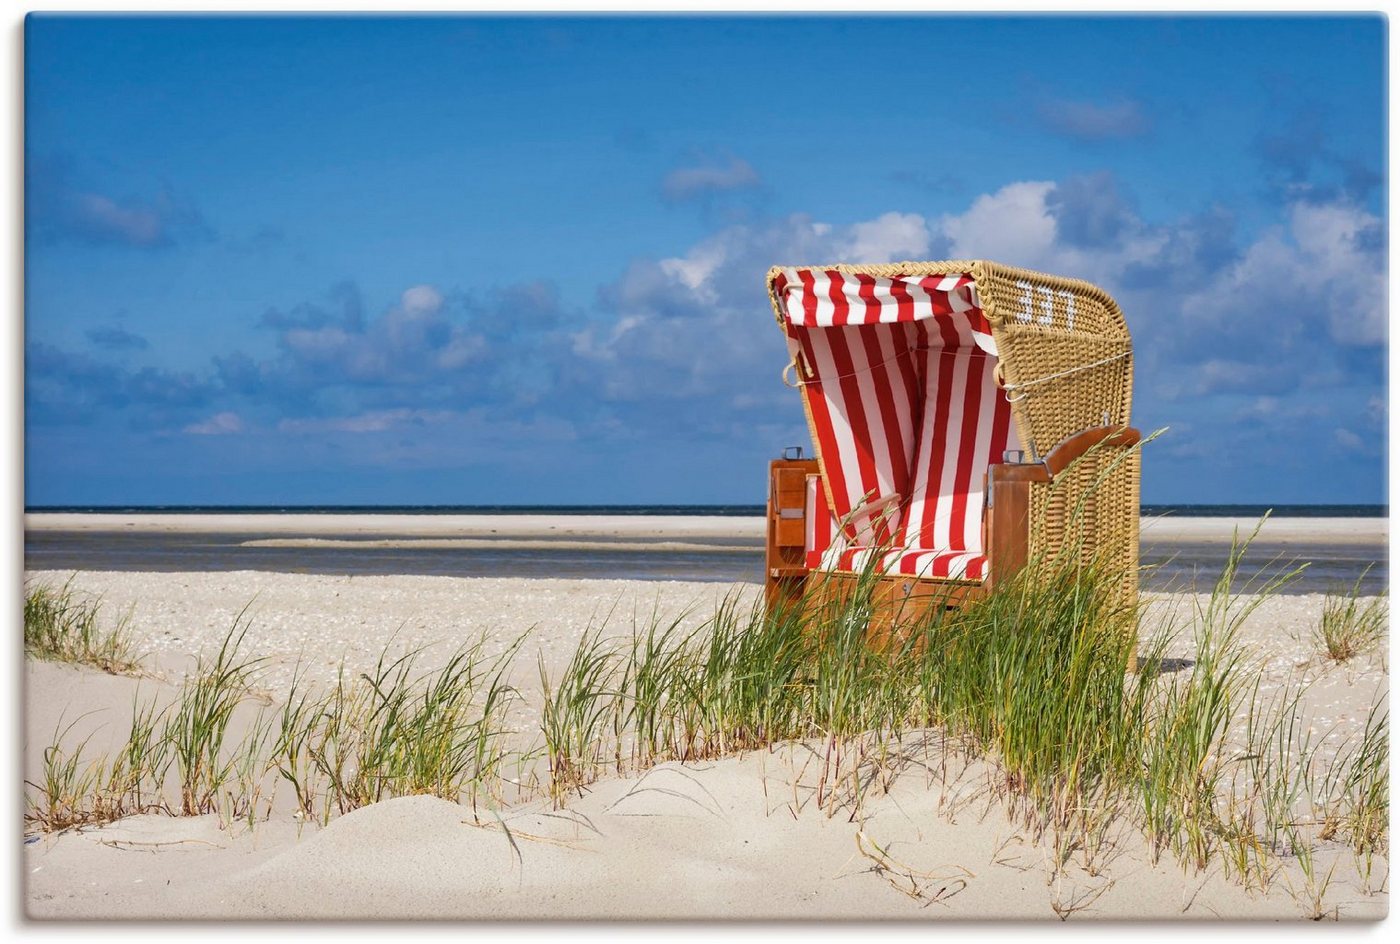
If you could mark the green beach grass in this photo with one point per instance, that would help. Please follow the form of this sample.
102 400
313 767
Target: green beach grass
1351 624
62 626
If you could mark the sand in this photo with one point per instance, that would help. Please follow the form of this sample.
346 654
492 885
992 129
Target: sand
739 837
693 842
640 528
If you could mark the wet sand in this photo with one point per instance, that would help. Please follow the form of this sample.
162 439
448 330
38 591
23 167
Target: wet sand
1180 553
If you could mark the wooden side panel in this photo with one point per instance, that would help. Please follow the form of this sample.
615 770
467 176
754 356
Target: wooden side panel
1008 519
785 559
790 505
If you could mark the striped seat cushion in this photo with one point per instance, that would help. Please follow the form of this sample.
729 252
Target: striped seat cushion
951 565
905 412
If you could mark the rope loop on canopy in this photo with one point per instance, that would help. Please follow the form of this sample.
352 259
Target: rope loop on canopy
1012 388
792 366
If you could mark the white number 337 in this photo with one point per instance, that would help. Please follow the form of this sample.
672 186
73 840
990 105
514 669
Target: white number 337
1047 296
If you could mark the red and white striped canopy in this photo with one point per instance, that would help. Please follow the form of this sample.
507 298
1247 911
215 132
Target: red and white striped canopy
906 413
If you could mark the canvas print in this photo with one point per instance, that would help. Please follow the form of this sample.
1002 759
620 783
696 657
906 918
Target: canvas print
705 467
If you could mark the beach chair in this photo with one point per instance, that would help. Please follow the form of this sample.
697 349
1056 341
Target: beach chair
966 417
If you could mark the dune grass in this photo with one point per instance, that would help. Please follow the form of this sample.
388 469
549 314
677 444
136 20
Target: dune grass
66 793
198 726
1035 674
396 732
391 732
79 789
1351 623
62 626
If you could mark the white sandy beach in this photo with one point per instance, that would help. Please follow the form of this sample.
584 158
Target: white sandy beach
734 838
1372 531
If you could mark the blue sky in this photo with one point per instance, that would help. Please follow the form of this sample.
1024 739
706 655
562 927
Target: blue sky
520 260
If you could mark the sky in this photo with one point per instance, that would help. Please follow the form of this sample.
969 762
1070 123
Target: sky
477 260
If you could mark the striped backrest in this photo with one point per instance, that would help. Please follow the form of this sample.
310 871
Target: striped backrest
966 426
898 378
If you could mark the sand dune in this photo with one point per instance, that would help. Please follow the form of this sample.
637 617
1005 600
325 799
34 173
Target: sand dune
741 837
718 840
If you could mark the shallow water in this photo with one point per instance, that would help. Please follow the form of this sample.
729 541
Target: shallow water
1171 566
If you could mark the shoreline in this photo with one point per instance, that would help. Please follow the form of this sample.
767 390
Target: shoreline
640 528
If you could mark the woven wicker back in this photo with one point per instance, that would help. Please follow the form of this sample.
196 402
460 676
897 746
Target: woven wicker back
1066 355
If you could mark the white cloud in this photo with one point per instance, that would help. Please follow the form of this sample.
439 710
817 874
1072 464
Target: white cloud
891 237
1013 225
1324 270
687 341
1018 225
421 298
694 269
460 351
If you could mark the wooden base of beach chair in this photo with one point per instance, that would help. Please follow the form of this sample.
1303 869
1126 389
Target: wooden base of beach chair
896 603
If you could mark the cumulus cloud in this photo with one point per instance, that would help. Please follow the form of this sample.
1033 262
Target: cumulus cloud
1323 271
1090 211
686 329
889 237
421 299
1217 322
411 341
709 177
343 307
1016 222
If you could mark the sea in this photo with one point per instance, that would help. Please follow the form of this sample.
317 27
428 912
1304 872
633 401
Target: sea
1174 566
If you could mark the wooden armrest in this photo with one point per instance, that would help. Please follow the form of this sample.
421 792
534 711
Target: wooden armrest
1064 454
1071 448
